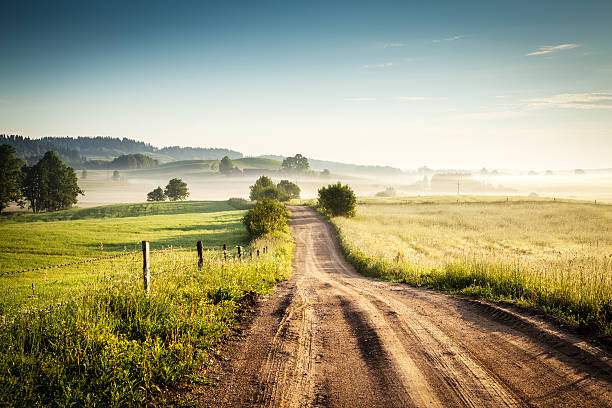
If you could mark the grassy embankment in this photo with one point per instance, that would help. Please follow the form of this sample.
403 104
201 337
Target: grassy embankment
120 347
556 255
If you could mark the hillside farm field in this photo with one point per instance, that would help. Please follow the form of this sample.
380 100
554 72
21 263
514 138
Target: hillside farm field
553 254
87 334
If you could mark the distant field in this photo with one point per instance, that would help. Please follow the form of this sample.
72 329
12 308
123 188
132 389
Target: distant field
553 254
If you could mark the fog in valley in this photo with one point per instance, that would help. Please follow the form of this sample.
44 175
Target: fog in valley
133 185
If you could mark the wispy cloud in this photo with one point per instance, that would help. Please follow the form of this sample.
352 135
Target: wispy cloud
494 115
392 45
547 49
592 100
454 38
383 65
417 98
362 99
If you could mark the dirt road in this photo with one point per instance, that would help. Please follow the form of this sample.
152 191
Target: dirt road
331 337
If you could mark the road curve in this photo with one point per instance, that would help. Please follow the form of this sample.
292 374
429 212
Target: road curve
331 337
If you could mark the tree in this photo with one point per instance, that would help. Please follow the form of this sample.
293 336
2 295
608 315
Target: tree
292 190
84 174
10 176
156 195
387 192
326 173
116 175
226 165
297 164
177 190
263 188
266 217
50 185
337 199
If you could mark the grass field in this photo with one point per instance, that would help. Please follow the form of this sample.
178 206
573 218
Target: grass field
556 255
33 240
88 335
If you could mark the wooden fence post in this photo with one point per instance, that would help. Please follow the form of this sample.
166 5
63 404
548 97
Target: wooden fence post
200 254
224 252
258 253
146 261
239 251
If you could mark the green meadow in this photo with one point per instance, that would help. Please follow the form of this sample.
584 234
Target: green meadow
553 254
89 335
33 240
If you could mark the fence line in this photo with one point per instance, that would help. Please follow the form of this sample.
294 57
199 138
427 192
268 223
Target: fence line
147 275
102 258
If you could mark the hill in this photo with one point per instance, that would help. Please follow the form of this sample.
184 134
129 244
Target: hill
76 151
344 168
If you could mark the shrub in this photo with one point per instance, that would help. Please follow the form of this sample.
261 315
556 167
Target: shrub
337 199
266 217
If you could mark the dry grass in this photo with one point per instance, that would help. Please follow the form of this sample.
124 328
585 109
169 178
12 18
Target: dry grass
553 254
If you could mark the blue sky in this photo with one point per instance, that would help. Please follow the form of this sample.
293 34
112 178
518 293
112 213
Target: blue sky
445 84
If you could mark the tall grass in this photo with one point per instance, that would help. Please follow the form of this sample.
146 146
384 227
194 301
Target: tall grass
122 347
550 254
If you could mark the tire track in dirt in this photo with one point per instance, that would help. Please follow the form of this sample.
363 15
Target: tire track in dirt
331 337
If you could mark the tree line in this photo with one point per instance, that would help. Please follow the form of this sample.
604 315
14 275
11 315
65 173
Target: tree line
48 185
83 150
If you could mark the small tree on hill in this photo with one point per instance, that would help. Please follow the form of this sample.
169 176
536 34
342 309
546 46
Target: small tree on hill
116 175
292 190
297 164
263 188
337 199
176 190
10 176
156 195
226 165
266 217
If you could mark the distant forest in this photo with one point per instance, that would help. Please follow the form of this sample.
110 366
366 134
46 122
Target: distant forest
88 152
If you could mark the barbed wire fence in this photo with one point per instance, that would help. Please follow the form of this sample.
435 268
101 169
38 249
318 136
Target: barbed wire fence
146 276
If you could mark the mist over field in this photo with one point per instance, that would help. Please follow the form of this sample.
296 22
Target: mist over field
133 187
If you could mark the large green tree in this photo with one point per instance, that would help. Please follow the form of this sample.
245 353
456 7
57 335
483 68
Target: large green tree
176 190
289 188
10 176
50 185
156 195
263 188
296 164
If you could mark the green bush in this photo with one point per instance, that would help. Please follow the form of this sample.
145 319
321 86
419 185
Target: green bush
337 199
267 216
